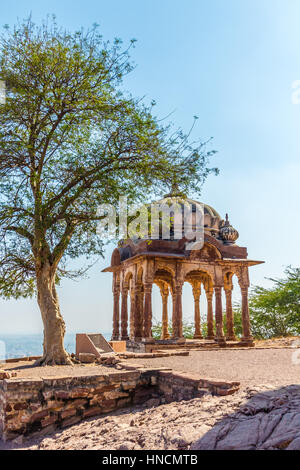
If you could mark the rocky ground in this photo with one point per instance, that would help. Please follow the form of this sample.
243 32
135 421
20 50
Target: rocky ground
253 418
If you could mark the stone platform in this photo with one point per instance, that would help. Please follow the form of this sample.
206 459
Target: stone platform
148 346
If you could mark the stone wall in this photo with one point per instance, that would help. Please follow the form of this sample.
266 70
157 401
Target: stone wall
175 386
39 406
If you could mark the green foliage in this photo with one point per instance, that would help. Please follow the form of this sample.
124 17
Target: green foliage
275 312
187 329
70 140
157 329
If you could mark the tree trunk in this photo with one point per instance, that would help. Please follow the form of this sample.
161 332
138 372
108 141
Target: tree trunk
54 325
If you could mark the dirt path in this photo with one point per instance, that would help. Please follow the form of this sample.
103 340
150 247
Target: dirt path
27 370
249 366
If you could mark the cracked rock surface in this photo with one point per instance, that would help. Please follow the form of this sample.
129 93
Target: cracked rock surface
269 420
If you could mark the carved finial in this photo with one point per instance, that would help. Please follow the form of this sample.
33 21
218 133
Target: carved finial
227 233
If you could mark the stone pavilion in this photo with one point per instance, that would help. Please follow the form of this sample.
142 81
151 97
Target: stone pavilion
137 264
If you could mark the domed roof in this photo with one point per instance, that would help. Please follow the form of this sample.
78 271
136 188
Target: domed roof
207 209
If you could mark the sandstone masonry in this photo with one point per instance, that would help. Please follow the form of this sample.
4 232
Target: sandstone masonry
39 406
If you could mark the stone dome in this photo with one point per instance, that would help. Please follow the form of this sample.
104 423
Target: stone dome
212 219
213 224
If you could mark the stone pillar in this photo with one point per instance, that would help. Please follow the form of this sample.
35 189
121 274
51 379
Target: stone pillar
116 314
247 338
230 336
124 316
138 314
141 308
148 310
220 338
177 320
173 312
210 315
196 294
165 319
132 311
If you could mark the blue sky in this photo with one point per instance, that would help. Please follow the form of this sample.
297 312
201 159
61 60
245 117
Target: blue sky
230 62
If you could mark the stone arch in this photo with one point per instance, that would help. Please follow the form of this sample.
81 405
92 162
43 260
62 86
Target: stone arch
201 275
165 267
127 279
210 252
140 276
163 274
229 273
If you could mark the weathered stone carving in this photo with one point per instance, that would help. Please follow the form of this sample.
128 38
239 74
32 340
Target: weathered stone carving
228 233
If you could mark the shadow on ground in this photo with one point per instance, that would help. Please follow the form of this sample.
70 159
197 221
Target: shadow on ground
269 420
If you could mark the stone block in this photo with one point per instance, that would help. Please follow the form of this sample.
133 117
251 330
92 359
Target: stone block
49 420
68 413
70 421
225 391
78 404
108 405
80 392
21 406
130 385
93 411
59 394
118 346
115 394
87 358
105 388
4 375
35 417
